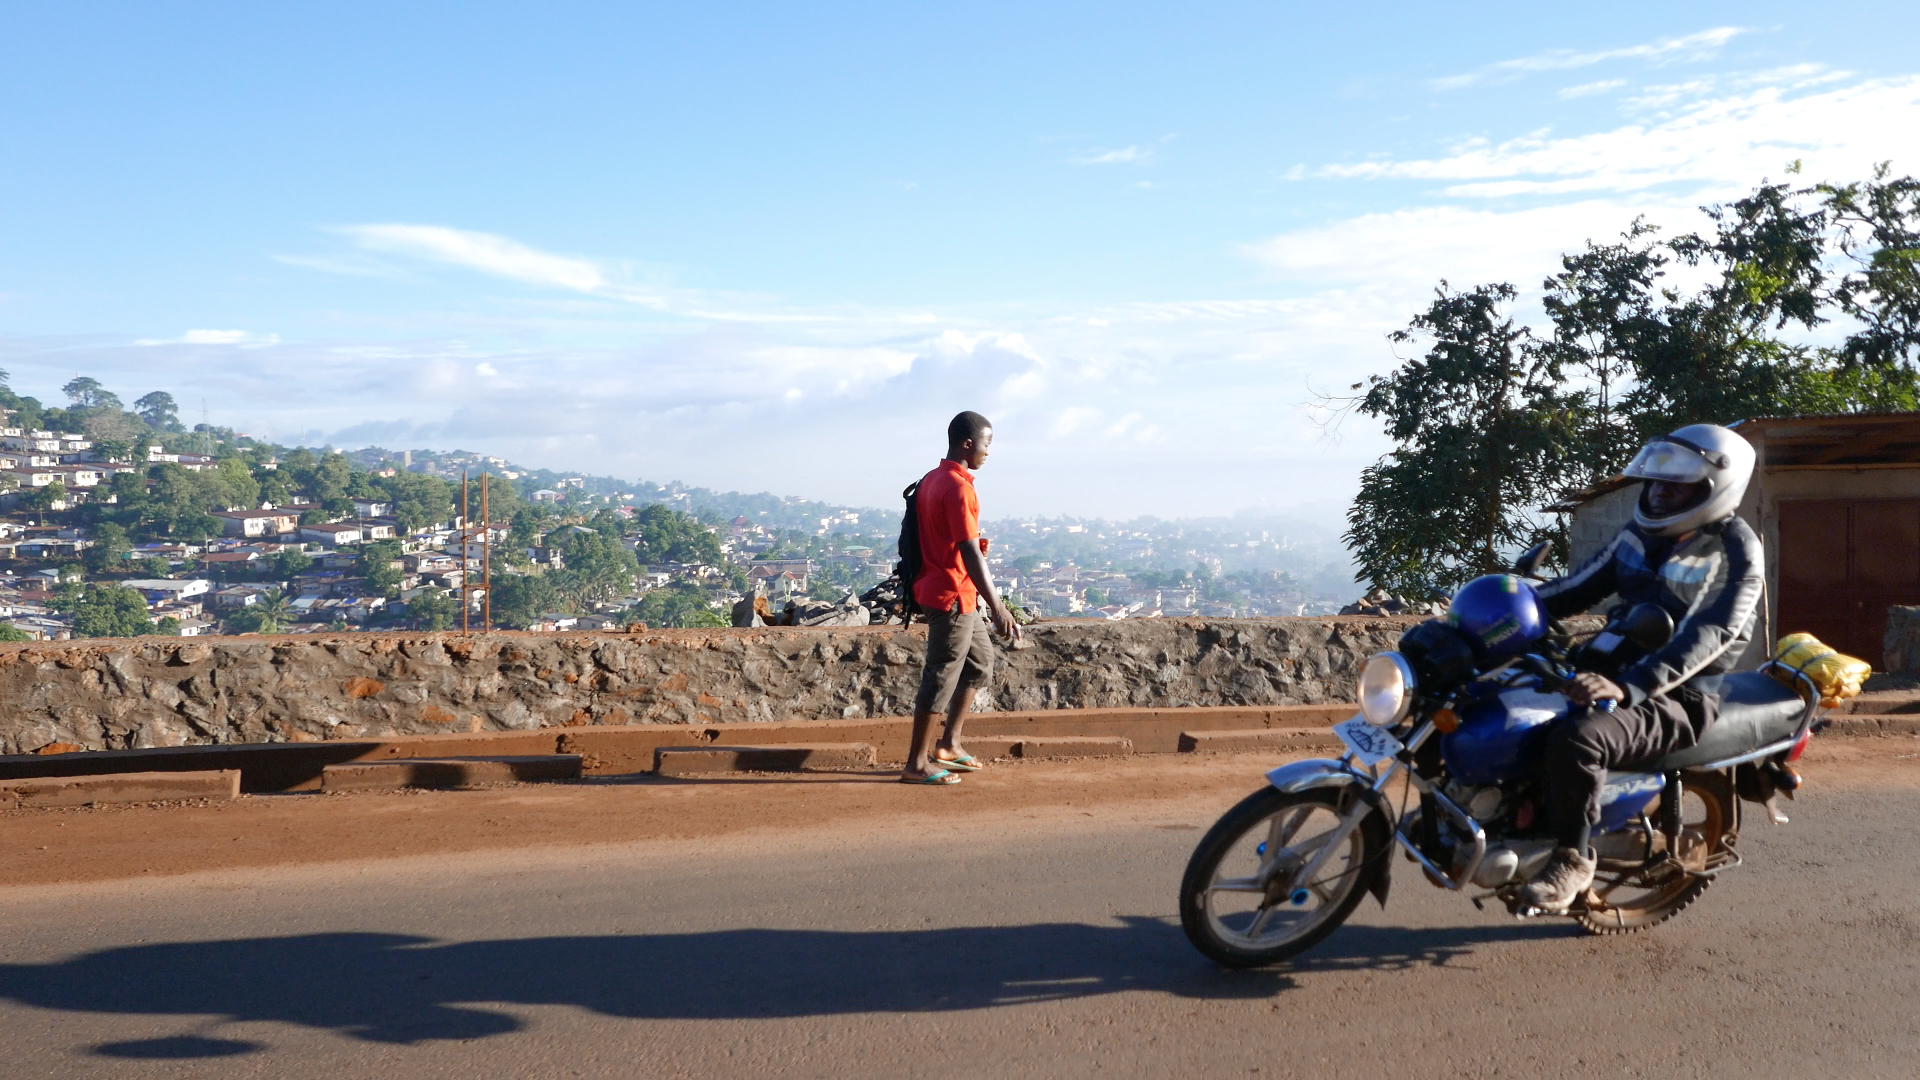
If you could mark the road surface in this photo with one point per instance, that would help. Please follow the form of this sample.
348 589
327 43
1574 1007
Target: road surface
852 928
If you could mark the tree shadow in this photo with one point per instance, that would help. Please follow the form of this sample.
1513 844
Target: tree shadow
392 988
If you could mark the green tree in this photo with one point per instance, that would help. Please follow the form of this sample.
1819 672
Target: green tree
268 615
679 605
669 536
598 568
433 609
518 599
1877 228
42 499
290 564
109 550
1492 424
1480 426
104 610
376 567
1604 305
87 393
12 633
159 411
1716 355
418 501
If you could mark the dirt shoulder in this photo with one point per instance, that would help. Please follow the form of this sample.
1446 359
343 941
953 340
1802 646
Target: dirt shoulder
56 846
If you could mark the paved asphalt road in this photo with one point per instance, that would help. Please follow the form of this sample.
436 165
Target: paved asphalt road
1037 946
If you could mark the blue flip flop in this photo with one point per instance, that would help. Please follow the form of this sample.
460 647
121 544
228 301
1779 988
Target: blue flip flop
965 763
936 778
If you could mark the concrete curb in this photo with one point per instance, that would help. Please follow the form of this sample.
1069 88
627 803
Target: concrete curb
119 788
619 750
796 757
1278 739
1860 726
448 773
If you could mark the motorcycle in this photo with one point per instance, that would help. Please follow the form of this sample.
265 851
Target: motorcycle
1284 868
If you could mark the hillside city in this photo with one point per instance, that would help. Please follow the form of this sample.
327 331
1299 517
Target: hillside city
121 522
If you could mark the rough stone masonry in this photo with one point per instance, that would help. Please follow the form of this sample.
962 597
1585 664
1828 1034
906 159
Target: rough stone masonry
123 693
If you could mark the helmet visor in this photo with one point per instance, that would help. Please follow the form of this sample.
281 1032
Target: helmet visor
1662 460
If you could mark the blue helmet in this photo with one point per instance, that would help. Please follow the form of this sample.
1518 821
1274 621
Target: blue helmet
1500 614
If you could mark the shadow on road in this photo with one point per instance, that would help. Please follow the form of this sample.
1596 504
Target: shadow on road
400 989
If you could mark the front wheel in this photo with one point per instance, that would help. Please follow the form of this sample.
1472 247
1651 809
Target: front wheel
1270 880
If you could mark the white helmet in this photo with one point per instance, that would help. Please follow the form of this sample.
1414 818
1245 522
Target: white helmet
1697 453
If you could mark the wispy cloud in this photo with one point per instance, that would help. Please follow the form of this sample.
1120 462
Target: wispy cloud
216 337
1122 156
505 257
1700 46
1732 139
1592 88
480 251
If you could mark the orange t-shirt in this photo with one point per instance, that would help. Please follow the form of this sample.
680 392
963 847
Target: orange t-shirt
949 515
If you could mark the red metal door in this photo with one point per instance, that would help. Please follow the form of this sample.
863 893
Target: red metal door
1843 562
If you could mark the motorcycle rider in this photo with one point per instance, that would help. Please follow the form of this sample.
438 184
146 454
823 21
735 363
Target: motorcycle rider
1687 552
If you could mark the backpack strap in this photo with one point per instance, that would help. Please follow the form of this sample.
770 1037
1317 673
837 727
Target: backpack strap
907 604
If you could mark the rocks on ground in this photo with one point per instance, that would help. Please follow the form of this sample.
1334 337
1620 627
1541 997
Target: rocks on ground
1382 602
846 611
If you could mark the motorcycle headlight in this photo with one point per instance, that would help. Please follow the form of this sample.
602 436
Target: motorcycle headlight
1386 689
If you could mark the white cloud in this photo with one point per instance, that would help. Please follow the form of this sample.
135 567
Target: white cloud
1592 88
216 337
1733 139
1699 46
481 251
1124 155
1417 247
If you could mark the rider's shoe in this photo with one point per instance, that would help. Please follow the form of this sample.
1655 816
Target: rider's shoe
1559 883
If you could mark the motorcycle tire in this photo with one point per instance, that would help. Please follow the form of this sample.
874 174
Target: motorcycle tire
1708 817
1236 939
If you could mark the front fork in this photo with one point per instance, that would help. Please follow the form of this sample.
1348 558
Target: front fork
1361 806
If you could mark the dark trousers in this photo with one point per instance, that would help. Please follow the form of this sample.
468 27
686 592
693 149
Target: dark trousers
1576 754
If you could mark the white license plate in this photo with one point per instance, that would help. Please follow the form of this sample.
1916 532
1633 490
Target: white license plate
1371 745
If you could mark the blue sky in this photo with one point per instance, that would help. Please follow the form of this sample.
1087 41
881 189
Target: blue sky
774 247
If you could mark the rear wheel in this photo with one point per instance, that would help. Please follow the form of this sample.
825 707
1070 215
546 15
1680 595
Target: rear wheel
1253 893
1634 899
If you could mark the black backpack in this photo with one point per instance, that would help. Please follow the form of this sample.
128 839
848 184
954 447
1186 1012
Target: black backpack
908 568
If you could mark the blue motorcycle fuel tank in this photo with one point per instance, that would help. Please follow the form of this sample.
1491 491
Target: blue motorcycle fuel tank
1492 744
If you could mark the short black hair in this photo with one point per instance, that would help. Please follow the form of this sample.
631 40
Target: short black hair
968 425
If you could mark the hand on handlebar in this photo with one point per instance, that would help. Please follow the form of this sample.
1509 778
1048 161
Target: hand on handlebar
1587 688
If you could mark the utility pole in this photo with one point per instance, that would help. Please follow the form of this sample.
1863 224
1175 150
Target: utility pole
486 558
465 533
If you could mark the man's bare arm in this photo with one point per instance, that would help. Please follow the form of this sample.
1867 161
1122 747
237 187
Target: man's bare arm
976 564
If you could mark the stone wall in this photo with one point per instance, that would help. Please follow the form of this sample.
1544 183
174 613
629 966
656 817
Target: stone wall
146 692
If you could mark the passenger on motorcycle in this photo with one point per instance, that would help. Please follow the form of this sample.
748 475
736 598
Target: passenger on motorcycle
1687 552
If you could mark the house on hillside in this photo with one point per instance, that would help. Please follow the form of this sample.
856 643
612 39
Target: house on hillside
1836 501
229 560
339 534
256 523
164 590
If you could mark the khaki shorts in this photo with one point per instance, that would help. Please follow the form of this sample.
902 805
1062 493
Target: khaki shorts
959 657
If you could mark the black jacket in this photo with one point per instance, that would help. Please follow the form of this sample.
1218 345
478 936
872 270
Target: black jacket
1710 584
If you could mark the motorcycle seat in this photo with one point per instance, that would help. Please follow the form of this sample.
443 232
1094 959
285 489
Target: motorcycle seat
1755 709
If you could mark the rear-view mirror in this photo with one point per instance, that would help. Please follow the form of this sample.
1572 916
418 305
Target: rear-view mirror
1648 626
1532 559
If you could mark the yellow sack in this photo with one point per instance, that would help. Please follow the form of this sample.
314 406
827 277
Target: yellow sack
1837 675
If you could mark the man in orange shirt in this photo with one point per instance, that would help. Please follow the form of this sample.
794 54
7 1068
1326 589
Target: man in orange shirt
953 580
